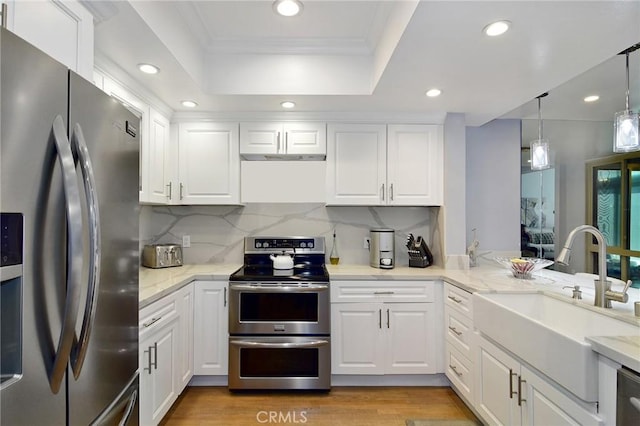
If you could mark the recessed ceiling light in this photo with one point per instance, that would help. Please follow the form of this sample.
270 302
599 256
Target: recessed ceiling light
287 7
432 93
496 28
591 98
189 104
148 68
287 104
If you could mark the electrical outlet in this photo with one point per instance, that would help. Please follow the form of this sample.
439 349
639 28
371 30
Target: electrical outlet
186 241
367 242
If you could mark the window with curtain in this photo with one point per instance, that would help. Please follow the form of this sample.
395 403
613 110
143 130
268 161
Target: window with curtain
614 208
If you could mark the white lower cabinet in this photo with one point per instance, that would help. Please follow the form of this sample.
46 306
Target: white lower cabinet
379 335
211 320
459 341
510 393
165 353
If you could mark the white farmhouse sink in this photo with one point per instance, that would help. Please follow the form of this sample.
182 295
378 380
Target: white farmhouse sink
548 334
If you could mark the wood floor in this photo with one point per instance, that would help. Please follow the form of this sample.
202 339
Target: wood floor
353 406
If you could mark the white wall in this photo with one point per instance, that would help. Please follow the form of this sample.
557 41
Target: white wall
493 186
217 232
453 213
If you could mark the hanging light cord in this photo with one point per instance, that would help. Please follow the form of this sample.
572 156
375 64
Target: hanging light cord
539 119
540 115
627 67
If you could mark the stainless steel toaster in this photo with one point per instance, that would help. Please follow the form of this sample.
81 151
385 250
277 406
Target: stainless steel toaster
162 255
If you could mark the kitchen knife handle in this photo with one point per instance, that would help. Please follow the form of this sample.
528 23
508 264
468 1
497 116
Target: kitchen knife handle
74 220
79 148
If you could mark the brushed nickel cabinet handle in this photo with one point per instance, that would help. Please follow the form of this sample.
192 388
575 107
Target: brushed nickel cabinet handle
458 333
454 299
520 398
453 368
169 192
511 392
153 320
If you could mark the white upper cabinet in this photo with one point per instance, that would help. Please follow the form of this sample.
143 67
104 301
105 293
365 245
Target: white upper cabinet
415 165
61 29
261 140
371 164
209 163
356 164
156 161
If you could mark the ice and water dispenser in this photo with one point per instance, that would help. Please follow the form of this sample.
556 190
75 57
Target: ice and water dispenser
11 255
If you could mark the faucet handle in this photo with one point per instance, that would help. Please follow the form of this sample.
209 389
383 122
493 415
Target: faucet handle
577 293
618 296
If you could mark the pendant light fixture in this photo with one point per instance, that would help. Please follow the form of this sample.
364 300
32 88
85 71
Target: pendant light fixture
540 148
625 126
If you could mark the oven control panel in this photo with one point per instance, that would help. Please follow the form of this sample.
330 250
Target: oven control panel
284 243
268 244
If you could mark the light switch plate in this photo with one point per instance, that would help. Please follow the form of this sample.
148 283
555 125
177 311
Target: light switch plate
186 241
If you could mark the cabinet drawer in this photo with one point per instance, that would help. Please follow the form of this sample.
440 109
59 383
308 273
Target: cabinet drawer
459 370
157 314
459 330
382 291
458 299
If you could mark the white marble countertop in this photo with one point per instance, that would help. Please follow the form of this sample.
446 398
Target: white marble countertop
156 283
624 350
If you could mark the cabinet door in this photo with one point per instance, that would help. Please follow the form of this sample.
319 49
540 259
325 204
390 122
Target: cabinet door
411 342
209 171
497 385
155 161
357 340
61 29
305 138
546 405
185 367
211 328
261 138
158 375
415 165
356 164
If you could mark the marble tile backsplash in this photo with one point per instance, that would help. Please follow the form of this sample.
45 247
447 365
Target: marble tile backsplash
217 232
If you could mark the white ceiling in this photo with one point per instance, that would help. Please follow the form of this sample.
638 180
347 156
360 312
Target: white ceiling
353 58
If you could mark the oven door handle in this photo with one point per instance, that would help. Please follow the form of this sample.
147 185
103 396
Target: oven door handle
279 289
311 344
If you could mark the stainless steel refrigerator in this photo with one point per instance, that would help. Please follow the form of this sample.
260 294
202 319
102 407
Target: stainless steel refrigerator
70 253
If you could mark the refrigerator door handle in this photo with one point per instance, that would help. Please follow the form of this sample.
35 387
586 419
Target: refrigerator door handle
74 254
81 154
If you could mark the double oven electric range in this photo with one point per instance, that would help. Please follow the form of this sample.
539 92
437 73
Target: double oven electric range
279 319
